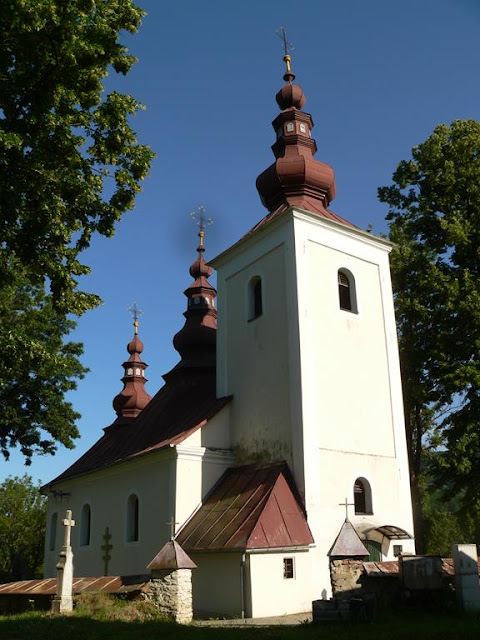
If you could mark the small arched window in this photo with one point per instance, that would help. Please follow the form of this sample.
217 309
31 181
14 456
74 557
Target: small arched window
53 532
346 291
362 497
255 301
132 518
85 525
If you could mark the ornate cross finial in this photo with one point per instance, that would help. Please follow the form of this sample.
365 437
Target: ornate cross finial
135 312
287 47
171 523
202 221
346 504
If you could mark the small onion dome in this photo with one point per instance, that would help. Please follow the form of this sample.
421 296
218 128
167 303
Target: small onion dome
135 346
290 96
200 268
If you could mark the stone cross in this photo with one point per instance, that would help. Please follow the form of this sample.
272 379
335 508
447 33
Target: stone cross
171 523
346 504
106 549
63 600
68 523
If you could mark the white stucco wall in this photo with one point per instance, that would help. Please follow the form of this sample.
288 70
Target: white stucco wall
271 593
257 359
152 480
217 584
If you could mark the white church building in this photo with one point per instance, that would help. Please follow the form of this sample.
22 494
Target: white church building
268 423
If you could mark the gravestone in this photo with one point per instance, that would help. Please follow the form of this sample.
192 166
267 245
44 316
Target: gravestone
63 600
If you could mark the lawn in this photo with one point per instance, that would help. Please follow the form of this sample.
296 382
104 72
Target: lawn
41 626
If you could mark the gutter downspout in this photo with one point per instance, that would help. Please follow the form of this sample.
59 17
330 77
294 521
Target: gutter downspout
242 583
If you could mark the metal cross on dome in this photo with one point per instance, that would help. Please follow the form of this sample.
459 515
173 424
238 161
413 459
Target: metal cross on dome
287 46
200 218
135 312
202 221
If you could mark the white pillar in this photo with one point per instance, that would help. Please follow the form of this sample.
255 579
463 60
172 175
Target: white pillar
467 585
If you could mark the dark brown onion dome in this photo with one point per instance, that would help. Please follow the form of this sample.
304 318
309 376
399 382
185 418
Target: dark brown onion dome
197 339
295 178
290 95
133 398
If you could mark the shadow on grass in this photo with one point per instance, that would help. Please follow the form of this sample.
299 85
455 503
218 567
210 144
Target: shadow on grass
40 626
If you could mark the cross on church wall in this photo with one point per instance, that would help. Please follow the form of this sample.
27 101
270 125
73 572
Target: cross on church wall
346 504
68 524
106 547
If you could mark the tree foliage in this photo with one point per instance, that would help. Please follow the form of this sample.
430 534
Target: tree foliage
70 166
434 214
36 369
22 529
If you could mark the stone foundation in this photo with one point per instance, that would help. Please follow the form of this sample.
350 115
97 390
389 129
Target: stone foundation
345 576
171 592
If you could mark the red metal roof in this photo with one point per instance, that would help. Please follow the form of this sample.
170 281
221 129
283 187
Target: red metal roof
250 507
47 586
183 405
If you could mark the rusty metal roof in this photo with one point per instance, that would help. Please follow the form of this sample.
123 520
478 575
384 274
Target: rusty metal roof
250 507
348 544
183 405
171 556
47 586
391 567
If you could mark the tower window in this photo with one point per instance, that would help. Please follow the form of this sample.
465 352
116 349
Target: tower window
362 497
288 568
85 525
346 291
132 518
53 532
255 302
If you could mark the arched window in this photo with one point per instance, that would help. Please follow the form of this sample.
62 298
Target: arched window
362 497
132 518
53 532
255 302
346 291
85 525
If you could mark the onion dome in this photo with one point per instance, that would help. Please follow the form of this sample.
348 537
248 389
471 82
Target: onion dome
295 178
133 397
196 341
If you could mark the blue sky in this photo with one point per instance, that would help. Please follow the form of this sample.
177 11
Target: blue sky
378 75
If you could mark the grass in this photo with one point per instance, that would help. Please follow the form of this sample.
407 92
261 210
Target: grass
101 619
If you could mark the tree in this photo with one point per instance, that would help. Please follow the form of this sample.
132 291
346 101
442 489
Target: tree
22 529
434 214
70 166
37 368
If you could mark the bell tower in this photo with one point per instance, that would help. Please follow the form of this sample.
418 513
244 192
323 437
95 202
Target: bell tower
307 344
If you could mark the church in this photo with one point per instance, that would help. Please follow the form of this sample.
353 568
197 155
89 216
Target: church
275 429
